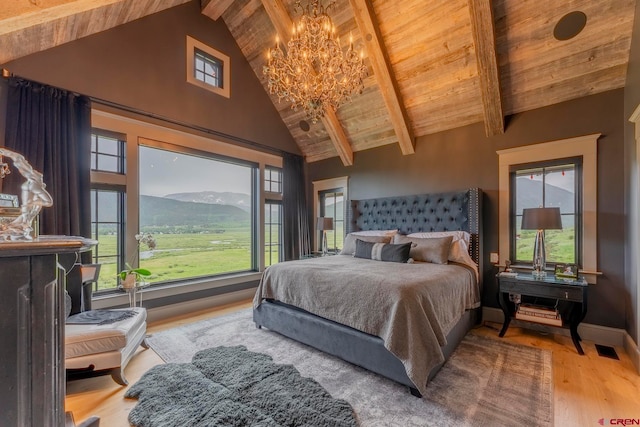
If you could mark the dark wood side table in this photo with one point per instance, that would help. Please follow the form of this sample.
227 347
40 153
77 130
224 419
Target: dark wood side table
571 296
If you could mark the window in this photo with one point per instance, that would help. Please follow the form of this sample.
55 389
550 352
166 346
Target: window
273 237
549 184
200 198
272 180
107 204
107 152
332 206
107 227
273 248
545 154
322 190
208 68
199 209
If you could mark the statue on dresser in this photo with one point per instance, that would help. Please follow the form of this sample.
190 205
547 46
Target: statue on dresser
34 196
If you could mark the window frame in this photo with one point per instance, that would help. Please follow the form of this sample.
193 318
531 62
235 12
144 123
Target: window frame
328 184
254 244
280 245
585 146
576 162
121 226
193 45
137 132
331 246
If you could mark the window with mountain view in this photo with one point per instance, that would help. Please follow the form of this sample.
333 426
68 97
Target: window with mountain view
551 184
199 209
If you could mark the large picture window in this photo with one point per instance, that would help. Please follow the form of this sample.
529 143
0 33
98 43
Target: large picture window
199 209
548 184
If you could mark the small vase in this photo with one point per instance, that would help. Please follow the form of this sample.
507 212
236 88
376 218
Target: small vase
129 281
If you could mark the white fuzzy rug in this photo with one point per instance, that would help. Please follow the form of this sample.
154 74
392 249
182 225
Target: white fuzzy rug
486 382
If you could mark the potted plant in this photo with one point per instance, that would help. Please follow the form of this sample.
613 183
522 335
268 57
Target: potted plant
130 276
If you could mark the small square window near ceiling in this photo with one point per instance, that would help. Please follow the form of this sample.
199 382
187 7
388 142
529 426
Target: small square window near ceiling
208 68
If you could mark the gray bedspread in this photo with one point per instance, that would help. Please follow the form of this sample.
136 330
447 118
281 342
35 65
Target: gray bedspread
412 307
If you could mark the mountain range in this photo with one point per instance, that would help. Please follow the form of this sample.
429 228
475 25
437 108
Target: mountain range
530 195
239 200
162 211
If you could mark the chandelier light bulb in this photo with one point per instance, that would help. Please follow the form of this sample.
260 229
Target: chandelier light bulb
313 72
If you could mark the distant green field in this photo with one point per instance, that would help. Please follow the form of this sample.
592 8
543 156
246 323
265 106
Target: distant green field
559 245
178 256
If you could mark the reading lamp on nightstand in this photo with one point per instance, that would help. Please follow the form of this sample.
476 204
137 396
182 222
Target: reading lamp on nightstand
324 224
540 219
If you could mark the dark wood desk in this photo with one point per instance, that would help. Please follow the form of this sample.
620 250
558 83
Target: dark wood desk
571 294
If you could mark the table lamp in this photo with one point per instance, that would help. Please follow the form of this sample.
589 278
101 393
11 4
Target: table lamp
540 219
324 224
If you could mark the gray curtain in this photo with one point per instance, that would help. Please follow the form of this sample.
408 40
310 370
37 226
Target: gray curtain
51 128
294 208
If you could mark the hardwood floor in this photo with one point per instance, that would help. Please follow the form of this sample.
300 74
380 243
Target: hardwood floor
586 388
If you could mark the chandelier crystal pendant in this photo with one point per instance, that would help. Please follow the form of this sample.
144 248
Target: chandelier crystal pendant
314 73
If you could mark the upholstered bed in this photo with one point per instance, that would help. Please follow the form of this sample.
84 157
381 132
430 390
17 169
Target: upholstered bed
399 320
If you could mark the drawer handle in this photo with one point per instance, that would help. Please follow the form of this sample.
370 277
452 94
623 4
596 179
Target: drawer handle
566 294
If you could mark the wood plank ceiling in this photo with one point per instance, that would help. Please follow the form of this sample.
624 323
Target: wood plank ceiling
433 65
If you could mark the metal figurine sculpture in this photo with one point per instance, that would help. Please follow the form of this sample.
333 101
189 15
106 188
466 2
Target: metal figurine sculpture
33 198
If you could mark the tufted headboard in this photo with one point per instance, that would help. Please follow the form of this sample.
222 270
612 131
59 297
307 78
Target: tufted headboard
461 210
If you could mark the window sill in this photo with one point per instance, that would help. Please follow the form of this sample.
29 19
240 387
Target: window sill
161 291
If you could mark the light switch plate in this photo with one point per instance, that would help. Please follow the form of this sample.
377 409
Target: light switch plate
494 257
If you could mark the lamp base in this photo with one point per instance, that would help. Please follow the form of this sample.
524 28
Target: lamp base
539 274
325 246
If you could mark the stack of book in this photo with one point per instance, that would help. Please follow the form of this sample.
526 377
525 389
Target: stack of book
540 314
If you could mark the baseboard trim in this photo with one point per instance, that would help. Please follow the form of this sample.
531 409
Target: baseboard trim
633 350
161 313
596 333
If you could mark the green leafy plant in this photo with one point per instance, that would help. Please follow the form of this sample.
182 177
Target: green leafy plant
138 272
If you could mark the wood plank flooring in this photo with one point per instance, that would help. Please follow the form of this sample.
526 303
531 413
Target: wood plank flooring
586 388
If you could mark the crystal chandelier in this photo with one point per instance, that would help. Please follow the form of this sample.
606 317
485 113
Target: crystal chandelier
314 74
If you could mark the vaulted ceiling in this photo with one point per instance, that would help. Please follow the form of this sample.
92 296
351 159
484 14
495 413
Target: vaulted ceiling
433 65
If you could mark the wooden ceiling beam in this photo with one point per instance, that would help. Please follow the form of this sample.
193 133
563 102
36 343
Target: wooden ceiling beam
484 38
284 25
367 23
214 8
49 27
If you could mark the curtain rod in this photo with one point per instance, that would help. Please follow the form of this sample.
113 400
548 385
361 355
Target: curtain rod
6 74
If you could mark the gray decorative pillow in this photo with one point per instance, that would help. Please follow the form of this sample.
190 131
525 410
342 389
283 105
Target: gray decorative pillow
349 246
434 250
382 251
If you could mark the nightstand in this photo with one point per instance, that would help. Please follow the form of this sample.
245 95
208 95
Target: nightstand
570 296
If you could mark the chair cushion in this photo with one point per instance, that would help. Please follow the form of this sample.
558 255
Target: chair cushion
81 340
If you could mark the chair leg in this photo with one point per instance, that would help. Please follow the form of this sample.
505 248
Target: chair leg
118 376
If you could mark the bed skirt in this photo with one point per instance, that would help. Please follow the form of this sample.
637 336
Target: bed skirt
351 345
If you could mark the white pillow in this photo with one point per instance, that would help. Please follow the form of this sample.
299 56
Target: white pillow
457 234
459 249
386 233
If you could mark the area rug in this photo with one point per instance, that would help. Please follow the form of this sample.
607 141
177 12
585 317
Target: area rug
230 386
486 382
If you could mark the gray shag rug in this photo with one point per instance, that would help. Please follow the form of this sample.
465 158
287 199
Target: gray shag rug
231 386
486 382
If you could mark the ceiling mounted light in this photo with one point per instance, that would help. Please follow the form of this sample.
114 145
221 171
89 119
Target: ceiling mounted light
314 73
